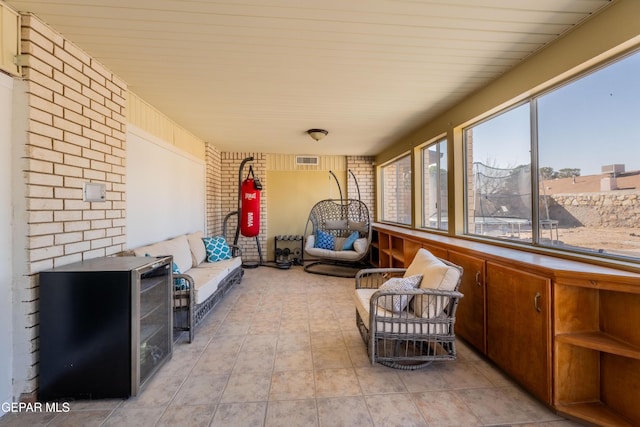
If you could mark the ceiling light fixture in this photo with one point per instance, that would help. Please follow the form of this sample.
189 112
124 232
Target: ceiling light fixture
317 134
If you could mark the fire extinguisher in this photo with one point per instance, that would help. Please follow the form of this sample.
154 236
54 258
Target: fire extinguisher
250 205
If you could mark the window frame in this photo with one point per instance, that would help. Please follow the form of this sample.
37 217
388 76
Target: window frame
422 209
381 181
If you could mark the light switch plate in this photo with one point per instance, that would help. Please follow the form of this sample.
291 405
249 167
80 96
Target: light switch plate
94 192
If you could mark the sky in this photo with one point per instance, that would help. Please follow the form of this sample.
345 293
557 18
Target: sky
586 124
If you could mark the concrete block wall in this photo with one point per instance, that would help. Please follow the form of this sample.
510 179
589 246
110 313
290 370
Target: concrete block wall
76 130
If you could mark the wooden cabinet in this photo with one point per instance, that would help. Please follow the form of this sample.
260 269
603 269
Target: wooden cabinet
518 326
470 317
597 350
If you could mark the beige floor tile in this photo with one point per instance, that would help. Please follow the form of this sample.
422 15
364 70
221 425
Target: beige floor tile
429 378
391 410
294 360
245 414
201 390
344 412
325 358
187 416
293 341
247 387
337 382
444 409
378 380
292 385
292 413
133 417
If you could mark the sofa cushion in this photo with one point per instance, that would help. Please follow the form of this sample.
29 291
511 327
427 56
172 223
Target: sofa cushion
362 298
177 247
436 275
360 247
397 303
196 245
208 275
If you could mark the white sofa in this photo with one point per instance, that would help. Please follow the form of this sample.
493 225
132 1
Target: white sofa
207 281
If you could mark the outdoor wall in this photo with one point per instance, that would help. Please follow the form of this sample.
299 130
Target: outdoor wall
611 209
6 258
75 133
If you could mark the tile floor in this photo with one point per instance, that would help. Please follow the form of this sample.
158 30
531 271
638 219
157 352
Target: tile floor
282 349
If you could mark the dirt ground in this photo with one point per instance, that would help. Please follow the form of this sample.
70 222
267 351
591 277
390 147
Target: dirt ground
623 241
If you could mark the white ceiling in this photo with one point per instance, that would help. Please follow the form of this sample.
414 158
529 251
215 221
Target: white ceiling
254 75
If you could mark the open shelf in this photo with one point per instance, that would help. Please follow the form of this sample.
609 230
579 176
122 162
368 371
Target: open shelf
600 342
596 413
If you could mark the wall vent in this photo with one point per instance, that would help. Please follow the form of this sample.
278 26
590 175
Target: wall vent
307 160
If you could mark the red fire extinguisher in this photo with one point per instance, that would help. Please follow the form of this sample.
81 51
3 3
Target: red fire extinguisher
250 205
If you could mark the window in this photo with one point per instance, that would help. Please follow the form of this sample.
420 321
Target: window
499 176
581 142
395 178
589 157
434 186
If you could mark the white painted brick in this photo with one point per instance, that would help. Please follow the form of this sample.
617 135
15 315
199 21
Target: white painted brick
78 247
45 253
71 226
66 238
44 204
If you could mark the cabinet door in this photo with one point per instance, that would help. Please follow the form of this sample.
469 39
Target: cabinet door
470 317
518 326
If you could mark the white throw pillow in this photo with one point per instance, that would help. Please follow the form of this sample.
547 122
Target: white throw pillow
436 275
397 303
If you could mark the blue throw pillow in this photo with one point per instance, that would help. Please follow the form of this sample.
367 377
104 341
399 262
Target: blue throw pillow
217 248
324 240
180 284
348 244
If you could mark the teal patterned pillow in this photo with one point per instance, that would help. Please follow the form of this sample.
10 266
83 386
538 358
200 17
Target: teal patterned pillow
180 284
217 248
324 240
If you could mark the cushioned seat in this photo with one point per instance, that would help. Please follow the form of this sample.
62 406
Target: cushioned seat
406 316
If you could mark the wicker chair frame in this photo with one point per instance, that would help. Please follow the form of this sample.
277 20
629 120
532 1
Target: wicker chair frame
339 218
188 313
404 340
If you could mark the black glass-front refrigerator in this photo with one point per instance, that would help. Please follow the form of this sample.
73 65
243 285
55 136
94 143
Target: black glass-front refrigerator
105 327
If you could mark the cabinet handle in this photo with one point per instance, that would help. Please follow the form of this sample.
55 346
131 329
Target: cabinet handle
478 279
536 302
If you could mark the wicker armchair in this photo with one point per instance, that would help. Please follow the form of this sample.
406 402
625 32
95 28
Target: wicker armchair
422 331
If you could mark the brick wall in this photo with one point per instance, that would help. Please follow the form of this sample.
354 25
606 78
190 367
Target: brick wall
214 213
75 134
230 164
364 170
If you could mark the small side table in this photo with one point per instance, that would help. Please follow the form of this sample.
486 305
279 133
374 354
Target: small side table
289 248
